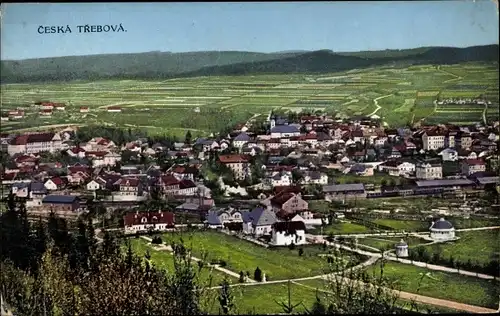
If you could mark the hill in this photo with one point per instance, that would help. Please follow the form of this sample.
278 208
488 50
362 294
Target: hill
157 65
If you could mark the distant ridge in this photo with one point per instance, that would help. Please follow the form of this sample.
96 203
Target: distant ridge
165 65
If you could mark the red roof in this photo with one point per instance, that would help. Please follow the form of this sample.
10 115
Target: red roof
233 159
129 182
141 218
9 176
281 198
476 162
77 150
168 180
292 189
57 181
114 108
84 108
46 111
33 138
96 153
186 184
25 158
76 169
103 142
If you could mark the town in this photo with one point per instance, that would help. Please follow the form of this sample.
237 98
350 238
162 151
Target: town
294 180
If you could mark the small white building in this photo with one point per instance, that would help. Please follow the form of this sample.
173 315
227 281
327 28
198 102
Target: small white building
402 249
442 230
286 233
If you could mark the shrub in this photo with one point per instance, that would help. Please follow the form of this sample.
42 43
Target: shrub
257 275
291 246
242 277
301 252
156 240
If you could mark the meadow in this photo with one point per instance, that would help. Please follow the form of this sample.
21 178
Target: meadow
384 243
172 106
475 246
459 288
240 255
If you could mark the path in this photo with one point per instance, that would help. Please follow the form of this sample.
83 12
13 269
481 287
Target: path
163 247
405 261
376 104
449 73
484 114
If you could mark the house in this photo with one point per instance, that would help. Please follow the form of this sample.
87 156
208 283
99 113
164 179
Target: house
314 177
401 249
76 152
281 131
258 222
288 203
20 189
37 190
54 184
130 186
95 185
286 233
148 221
84 109
239 165
114 109
217 219
433 140
184 172
471 166
240 140
187 188
280 178
308 218
46 112
61 203
340 192
449 154
442 230
35 143
168 184
429 170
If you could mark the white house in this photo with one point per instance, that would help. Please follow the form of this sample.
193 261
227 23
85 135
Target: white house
145 221
308 219
449 154
286 233
406 168
54 184
93 185
258 222
442 230
283 178
315 177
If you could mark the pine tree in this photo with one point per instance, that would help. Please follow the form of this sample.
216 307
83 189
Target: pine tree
226 299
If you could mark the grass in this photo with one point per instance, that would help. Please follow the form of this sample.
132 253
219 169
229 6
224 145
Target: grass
384 243
241 255
459 288
407 225
477 246
164 260
345 228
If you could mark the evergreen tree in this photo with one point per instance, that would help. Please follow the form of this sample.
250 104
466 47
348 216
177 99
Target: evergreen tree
226 299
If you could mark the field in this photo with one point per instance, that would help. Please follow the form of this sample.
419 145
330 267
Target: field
476 246
443 285
407 225
345 228
240 255
383 243
164 260
172 106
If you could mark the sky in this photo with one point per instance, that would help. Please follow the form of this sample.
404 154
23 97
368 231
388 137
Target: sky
250 26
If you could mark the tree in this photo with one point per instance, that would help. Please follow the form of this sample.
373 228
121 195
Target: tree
288 307
257 275
188 137
226 299
301 252
242 277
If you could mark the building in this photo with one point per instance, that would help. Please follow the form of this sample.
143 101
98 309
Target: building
217 219
344 191
442 230
148 221
114 109
288 203
35 143
287 233
281 131
130 186
258 222
240 140
429 170
449 154
314 177
61 203
471 166
239 165
402 249
84 109
433 140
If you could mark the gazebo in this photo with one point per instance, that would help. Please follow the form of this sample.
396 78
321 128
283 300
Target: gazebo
442 230
402 249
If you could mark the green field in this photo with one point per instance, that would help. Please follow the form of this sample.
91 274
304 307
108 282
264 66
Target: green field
407 225
164 260
345 228
476 246
241 255
459 288
172 106
384 243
